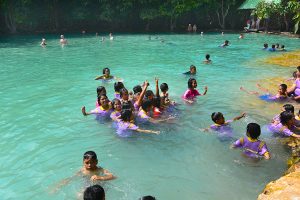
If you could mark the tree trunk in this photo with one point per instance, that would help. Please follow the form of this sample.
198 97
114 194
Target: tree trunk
172 23
287 27
222 22
9 20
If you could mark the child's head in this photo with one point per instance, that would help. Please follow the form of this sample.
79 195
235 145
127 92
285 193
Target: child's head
164 87
282 89
137 89
147 105
282 46
95 192
218 118
101 90
289 108
277 45
192 83
103 100
126 115
207 56
287 118
118 86
116 104
106 71
124 94
265 45
253 130
273 46
90 160
226 42
149 94
193 69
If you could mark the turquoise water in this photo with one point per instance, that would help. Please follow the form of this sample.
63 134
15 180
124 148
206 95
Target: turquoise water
44 135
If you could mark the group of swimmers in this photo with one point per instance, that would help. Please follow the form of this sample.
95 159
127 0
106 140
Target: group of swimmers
274 47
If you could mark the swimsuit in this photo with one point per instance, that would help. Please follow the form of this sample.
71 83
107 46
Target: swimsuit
191 94
124 127
224 131
252 148
280 130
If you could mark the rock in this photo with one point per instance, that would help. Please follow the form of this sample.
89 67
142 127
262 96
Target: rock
285 188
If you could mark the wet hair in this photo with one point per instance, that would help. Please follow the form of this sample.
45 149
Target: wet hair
190 81
95 192
273 46
266 45
207 56
100 90
147 198
114 101
136 89
226 41
289 108
104 69
277 45
118 86
123 91
282 46
126 114
146 104
90 155
149 93
216 116
164 87
286 116
127 105
253 130
192 67
283 86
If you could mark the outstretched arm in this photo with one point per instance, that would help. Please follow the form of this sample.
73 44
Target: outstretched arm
64 182
239 117
147 131
99 77
248 92
156 87
106 176
139 101
262 88
205 90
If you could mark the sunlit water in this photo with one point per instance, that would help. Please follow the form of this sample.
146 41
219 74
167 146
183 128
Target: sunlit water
44 135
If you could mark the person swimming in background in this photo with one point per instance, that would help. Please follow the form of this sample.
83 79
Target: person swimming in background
241 36
191 93
124 124
221 126
117 106
266 47
272 49
106 74
225 44
286 127
277 46
103 110
282 48
43 43
251 145
111 37
280 96
118 86
207 59
63 41
192 71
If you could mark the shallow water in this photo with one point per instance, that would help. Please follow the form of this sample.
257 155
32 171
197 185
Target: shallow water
44 135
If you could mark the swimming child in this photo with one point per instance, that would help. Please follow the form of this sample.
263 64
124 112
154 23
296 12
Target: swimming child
252 146
63 41
117 106
118 86
272 49
286 126
192 71
225 44
94 192
221 126
124 124
43 43
111 37
207 60
102 110
286 107
91 169
106 75
191 93
100 90
281 95
265 47
241 36
136 92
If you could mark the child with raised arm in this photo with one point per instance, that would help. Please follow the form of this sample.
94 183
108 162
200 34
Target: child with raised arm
251 145
191 93
103 110
286 127
221 126
280 96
